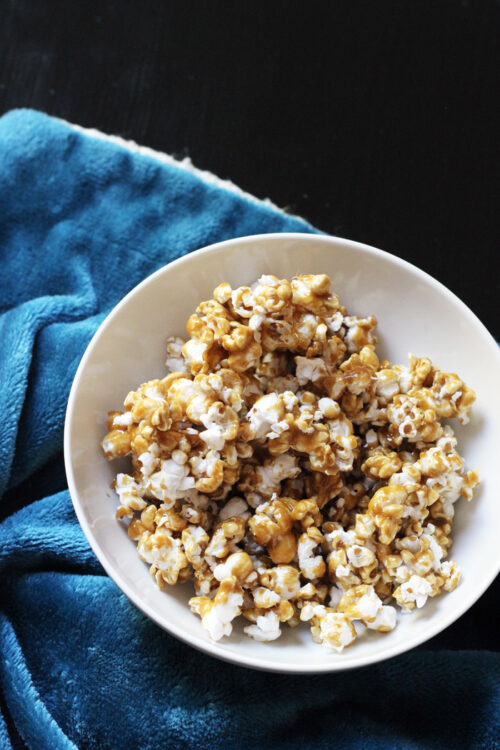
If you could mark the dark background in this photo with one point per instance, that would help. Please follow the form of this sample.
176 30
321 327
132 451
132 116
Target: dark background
374 120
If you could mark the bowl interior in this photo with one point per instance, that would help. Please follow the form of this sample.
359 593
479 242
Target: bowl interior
415 314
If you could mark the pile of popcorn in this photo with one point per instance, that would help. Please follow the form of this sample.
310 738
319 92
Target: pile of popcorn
288 472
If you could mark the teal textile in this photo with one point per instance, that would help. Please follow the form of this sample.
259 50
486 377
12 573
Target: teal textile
82 221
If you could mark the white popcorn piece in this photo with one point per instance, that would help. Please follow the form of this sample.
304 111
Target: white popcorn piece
360 556
266 411
164 553
385 620
230 567
123 420
285 581
336 631
194 352
336 594
194 539
334 322
129 492
170 482
236 506
265 598
274 471
369 606
414 592
328 408
311 566
218 620
149 460
175 361
386 385
219 426
309 611
309 370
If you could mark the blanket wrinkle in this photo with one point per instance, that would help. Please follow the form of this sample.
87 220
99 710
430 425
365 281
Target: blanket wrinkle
82 221
19 328
23 547
48 480
16 676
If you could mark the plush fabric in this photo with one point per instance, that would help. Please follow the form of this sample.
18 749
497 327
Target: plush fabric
82 220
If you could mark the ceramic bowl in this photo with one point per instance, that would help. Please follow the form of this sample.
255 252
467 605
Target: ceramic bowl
415 314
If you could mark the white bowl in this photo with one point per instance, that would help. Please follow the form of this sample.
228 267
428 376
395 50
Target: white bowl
415 314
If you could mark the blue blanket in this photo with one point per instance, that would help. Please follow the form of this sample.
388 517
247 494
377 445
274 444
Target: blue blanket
82 220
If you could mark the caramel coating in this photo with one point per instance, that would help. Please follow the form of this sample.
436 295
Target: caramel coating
287 471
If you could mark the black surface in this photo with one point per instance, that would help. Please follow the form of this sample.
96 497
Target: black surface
376 121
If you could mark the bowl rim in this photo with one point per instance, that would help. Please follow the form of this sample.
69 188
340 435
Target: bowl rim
346 662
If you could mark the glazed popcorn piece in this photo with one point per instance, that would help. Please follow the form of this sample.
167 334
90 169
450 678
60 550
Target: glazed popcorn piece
287 473
218 613
334 630
413 593
164 553
267 628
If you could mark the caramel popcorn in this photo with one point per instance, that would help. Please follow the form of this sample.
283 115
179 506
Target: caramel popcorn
288 472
